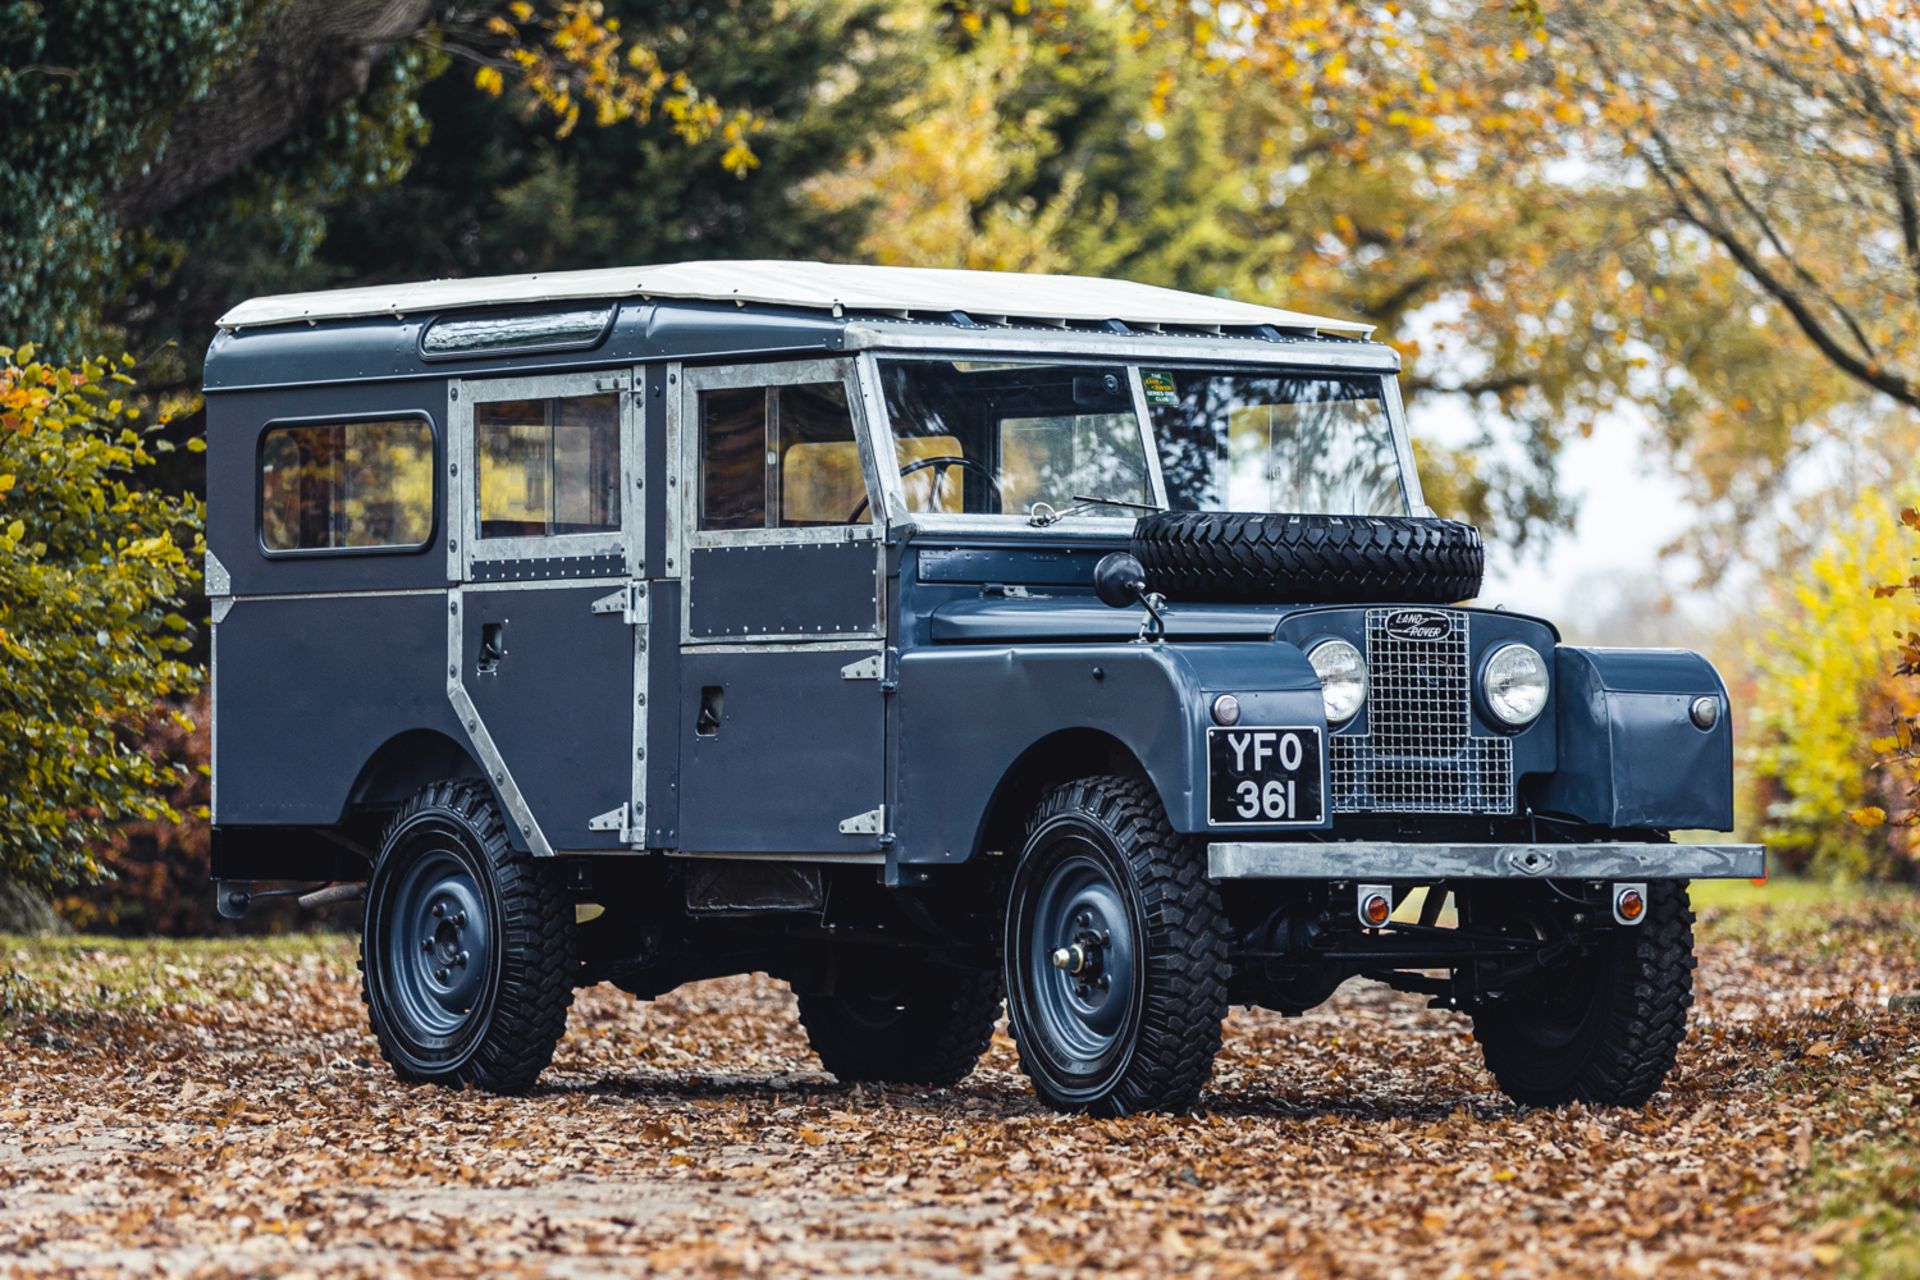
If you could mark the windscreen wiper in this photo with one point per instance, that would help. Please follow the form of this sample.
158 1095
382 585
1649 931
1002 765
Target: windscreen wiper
1042 514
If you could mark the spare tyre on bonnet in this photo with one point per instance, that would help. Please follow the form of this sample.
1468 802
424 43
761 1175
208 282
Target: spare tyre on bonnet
937 642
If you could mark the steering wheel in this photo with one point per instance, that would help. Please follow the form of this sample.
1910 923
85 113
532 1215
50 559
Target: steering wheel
940 466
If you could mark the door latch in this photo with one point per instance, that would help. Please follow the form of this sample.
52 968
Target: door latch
493 647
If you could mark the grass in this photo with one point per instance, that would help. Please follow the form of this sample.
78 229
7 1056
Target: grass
1787 892
66 979
1869 1208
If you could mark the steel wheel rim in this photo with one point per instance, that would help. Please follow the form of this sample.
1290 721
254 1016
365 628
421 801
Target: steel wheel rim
1084 1010
437 939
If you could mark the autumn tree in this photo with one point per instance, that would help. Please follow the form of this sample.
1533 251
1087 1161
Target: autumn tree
1507 188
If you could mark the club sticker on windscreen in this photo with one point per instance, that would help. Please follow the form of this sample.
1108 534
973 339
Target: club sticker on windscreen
1159 386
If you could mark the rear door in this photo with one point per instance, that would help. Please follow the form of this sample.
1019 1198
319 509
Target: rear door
547 627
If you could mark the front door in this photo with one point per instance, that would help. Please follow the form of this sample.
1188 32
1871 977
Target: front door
783 660
546 627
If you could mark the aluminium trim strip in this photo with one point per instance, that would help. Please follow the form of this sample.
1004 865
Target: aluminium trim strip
1396 860
639 618
1301 353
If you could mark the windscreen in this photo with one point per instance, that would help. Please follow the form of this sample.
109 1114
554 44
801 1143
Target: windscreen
1315 444
1016 439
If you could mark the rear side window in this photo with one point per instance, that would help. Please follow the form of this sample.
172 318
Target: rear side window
335 486
548 466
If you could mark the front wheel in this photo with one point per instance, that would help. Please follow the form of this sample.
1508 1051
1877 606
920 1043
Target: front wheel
467 956
1607 1029
1116 954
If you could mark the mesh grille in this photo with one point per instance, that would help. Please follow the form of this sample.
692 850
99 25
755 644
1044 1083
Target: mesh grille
1419 754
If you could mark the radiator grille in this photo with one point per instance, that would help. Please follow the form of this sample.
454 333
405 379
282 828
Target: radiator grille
1419 754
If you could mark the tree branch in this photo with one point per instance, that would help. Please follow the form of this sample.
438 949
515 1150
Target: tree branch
1773 237
1707 219
315 55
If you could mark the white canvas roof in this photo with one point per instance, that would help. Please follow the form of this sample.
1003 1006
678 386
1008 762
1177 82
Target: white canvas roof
825 286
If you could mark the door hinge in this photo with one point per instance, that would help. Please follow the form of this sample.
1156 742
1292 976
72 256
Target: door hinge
870 823
620 820
873 667
630 602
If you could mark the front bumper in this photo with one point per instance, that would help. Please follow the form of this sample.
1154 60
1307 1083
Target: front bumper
1387 860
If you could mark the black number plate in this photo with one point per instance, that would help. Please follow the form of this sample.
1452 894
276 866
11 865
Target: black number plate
1265 777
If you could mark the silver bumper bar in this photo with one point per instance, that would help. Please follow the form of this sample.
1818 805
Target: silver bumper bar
1392 860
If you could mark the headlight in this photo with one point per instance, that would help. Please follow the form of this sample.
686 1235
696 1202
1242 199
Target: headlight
1515 684
1343 678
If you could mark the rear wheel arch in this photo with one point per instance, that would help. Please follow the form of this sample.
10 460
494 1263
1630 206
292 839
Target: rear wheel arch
404 764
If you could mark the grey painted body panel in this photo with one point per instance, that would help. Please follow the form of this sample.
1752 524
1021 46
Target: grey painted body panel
799 750
1378 860
802 590
235 425
966 715
1630 757
310 690
1046 617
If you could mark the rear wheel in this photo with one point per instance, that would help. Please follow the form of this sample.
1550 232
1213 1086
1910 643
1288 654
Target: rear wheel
1607 1029
1116 954
467 956
904 1024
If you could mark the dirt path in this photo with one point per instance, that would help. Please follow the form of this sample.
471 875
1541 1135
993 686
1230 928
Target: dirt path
220 1109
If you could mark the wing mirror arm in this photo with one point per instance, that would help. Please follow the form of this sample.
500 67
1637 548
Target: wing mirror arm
1120 580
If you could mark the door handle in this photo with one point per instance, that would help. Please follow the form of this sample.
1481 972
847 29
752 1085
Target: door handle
493 647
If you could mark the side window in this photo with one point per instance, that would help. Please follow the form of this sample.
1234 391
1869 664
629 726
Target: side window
333 486
548 466
779 458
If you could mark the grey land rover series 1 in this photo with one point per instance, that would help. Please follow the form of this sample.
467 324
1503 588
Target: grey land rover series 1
927 640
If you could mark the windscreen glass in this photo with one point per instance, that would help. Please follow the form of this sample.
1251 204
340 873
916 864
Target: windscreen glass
1016 439
1306 443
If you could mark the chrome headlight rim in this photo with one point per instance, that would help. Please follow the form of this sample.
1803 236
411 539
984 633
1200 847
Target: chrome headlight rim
1322 655
1492 705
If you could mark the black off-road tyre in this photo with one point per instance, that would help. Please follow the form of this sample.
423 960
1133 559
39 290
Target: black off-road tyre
494 1020
1609 1030
925 1025
1101 859
1308 559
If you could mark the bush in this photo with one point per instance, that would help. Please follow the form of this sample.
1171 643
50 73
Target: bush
92 574
1825 689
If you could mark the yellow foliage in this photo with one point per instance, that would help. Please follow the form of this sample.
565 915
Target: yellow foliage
936 175
1822 690
571 58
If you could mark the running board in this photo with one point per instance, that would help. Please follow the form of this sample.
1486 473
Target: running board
1393 860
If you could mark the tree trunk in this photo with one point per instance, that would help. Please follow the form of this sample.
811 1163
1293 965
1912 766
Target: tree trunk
313 56
24 910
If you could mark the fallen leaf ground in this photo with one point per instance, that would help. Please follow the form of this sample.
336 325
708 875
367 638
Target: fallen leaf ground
219 1108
